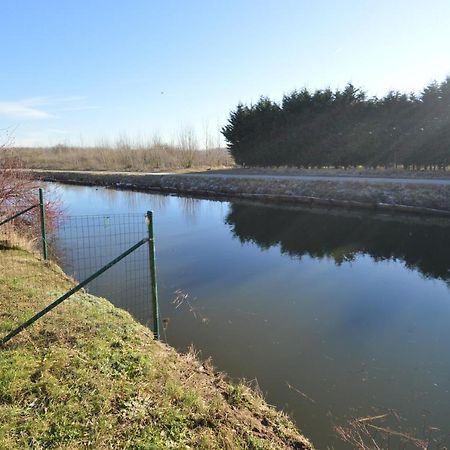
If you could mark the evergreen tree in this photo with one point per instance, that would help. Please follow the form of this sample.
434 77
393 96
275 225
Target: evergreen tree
344 128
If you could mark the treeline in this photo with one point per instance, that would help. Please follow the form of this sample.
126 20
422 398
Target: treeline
344 128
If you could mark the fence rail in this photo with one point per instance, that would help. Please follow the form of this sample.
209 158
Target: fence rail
15 216
70 292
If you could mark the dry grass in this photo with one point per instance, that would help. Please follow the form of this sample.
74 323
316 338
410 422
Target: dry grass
87 375
382 172
388 431
124 157
12 238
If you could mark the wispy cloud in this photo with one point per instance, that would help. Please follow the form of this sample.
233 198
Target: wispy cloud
22 110
77 108
36 108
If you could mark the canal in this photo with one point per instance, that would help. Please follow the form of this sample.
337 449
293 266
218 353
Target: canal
333 313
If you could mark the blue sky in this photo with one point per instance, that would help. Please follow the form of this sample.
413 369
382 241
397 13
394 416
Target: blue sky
77 70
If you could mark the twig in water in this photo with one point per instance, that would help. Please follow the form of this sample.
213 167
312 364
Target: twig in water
300 392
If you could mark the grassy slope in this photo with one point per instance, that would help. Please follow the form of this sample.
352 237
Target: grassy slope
88 376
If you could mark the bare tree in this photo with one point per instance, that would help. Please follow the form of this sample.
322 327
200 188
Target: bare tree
188 144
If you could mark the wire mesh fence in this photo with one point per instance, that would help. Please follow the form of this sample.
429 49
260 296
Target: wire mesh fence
105 254
111 256
82 245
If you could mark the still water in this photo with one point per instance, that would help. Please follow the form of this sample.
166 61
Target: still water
336 314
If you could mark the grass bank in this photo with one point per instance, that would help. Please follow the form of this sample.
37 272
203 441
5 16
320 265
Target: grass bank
389 172
415 198
88 375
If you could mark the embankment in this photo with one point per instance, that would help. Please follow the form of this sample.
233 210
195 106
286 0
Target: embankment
412 197
87 375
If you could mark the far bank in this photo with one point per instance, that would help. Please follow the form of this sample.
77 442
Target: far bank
400 195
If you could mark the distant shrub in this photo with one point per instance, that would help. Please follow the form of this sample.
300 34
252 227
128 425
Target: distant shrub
125 156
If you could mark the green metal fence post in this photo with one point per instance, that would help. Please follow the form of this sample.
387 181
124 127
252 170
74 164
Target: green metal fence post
152 263
43 233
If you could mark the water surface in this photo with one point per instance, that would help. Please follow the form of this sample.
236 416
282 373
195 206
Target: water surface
334 313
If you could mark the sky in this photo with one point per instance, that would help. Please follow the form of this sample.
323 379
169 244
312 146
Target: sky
82 71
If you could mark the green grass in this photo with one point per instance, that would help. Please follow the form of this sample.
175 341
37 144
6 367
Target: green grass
88 376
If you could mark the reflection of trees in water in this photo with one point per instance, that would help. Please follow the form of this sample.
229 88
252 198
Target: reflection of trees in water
421 244
111 196
161 202
133 198
191 208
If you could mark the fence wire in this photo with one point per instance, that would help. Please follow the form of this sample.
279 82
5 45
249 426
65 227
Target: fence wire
83 244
